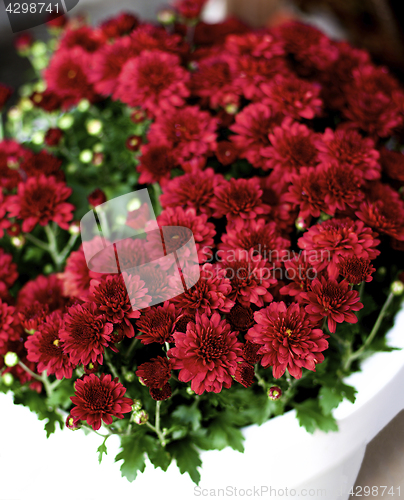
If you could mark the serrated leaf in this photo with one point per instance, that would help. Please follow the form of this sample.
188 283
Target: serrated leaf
187 458
219 434
330 398
311 418
133 455
188 415
102 449
159 457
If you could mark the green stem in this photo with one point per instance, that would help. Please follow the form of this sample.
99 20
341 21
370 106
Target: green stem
37 242
70 244
1 128
357 354
156 426
52 248
110 365
131 347
41 378
261 381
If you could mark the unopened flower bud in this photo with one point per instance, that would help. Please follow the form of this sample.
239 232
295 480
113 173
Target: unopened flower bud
166 16
397 288
11 359
18 241
83 105
38 49
129 376
97 197
15 114
300 224
274 393
91 368
86 156
7 379
48 269
190 391
71 425
26 104
94 127
38 137
133 142
98 159
137 406
65 122
138 116
231 108
140 418
74 227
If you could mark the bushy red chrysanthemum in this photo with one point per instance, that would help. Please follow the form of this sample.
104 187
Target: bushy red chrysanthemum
85 334
226 152
46 348
99 399
356 269
77 275
288 340
240 318
68 77
157 324
47 100
5 94
149 37
189 131
155 373
351 148
6 321
161 394
249 275
255 234
252 128
8 269
292 147
156 163
154 80
137 292
44 289
43 163
393 164
250 352
211 292
306 191
302 269
53 136
207 354
131 252
239 198
262 44
374 101
244 374
86 37
112 299
341 186
383 210
32 315
41 200
192 190
107 64
337 238
119 25
11 156
333 300
292 96
203 232
96 197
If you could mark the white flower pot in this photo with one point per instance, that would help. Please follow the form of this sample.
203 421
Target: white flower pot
278 454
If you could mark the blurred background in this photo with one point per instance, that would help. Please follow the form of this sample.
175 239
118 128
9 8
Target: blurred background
376 25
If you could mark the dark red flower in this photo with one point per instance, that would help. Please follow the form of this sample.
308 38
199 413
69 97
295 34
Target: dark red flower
133 143
155 373
307 192
288 339
11 156
119 25
85 334
5 94
355 269
48 101
250 352
240 318
45 347
96 197
161 394
333 300
6 321
32 315
8 269
156 163
43 163
77 276
189 9
207 354
86 37
23 42
157 324
41 200
226 152
393 164
99 399
53 137
45 290
244 374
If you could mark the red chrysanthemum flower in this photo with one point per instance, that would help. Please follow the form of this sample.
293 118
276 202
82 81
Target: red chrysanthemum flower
393 164
292 96
157 324
250 277
47 100
244 374
112 299
192 190
120 25
77 276
53 137
374 101
302 270
349 147
210 293
154 80
156 163
189 9
356 270
86 37
107 64
149 37
383 210
5 94
258 235
131 252
31 316
293 147
44 289
288 339
337 238
99 399
336 301
207 354
68 76
307 192
8 269
43 163
226 152
254 44
252 128
240 318
85 334
96 197
161 394
6 321
41 200
189 131
203 232
155 373
11 156
46 348
250 352
239 198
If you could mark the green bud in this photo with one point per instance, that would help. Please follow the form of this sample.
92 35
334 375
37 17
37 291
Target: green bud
129 376
83 105
48 269
86 156
397 288
140 417
18 241
137 406
38 137
65 122
7 379
15 114
11 359
98 148
190 391
71 168
26 104
38 49
74 228
94 127
274 393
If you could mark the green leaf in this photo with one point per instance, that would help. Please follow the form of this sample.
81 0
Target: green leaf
187 458
330 398
159 456
219 434
101 450
61 394
188 415
311 418
133 455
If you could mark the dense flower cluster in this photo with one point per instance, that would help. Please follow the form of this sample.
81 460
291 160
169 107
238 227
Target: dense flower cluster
288 211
